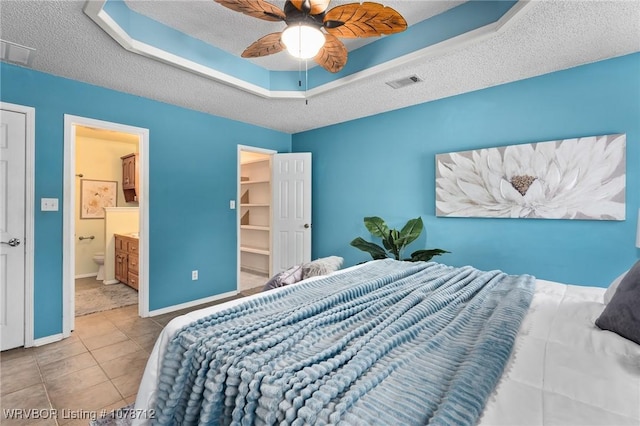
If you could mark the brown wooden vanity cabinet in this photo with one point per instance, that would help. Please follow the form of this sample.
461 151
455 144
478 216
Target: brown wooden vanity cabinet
130 177
127 260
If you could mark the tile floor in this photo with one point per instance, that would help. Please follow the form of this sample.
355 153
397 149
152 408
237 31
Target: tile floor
98 367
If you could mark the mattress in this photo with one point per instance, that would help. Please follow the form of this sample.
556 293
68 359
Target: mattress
563 370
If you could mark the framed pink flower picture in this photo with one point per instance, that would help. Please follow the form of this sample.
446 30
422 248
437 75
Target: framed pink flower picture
95 195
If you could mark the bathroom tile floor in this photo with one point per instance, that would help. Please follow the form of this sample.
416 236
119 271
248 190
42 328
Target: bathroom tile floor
87 283
98 368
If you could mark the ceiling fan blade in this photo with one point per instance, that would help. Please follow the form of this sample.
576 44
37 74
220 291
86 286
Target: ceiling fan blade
267 45
333 55
363 20
315 6
257 8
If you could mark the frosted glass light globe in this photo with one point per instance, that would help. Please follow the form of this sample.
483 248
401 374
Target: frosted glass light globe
302 41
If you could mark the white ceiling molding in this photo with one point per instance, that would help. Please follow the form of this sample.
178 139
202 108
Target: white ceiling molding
95 10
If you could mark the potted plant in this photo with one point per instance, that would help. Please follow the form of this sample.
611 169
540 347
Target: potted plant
394 241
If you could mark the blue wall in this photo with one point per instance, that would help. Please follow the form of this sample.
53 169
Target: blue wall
385 166
192 177
382 165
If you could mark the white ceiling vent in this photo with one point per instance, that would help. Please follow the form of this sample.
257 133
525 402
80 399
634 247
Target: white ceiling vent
404 82
16 54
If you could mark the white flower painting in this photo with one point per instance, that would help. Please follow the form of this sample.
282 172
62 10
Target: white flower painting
582 178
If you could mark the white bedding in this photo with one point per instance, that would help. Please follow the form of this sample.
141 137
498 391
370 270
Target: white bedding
563 370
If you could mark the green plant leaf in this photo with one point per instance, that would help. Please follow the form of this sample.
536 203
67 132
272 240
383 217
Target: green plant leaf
410 231
425 255
395 243
374 250
376 226
387 241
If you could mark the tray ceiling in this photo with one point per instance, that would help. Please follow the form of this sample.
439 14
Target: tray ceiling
542 37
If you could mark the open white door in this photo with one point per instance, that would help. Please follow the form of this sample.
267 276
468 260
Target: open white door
291 186
291 183
12 229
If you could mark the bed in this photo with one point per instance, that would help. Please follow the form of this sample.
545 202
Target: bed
534 357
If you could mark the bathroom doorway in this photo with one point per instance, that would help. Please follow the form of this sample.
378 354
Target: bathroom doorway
105 170
102 209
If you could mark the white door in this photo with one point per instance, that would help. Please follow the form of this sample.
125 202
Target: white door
12 228
291 185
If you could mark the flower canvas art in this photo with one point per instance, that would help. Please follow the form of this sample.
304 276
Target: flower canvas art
95 195
581 178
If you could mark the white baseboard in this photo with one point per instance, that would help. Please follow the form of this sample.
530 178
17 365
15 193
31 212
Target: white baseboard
93 274
191 304
49 339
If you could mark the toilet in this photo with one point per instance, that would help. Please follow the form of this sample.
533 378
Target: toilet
99 259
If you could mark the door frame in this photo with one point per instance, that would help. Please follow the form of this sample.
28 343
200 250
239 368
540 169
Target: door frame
238 209
29 216
68 253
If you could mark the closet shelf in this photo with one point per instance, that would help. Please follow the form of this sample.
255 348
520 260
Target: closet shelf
249 182
255 227
255 250
255 160
254 205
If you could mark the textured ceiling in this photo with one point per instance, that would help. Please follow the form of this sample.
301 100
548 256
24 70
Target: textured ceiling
219 26
545 36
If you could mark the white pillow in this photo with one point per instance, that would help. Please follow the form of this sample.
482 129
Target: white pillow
322 266
611 290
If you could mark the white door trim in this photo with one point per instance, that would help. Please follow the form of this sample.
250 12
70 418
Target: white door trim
68 254
30 115
238 196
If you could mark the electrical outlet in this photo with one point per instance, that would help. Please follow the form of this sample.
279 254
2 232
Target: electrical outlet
194 275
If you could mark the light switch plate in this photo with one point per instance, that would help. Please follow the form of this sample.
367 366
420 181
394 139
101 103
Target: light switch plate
49 204
232 204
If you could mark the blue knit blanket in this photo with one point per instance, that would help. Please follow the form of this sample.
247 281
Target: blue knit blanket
388 343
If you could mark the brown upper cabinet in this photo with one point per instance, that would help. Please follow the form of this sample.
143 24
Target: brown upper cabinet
130 177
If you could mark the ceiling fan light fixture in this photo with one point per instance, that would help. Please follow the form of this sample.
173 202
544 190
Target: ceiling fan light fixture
305 19
303 41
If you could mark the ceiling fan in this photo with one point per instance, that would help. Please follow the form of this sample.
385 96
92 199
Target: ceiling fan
303 37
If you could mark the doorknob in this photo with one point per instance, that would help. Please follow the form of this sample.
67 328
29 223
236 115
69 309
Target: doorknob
13 242
306 225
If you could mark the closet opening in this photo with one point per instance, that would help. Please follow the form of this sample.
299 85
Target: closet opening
255 219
